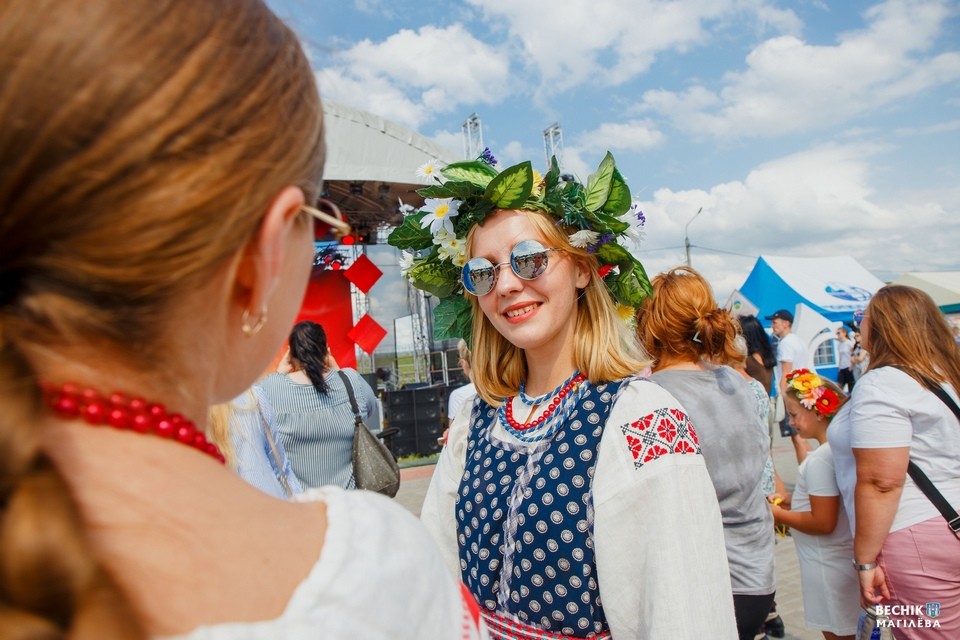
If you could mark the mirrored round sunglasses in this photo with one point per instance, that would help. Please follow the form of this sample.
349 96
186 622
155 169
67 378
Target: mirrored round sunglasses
528 260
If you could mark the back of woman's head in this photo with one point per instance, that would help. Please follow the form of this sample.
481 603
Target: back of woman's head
140 145
604 347
681 320
463 350
907 329
308 351
757 340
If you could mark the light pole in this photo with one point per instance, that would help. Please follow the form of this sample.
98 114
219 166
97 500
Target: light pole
686 238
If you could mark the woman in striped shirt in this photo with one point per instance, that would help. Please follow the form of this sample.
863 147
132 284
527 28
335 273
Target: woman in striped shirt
312 409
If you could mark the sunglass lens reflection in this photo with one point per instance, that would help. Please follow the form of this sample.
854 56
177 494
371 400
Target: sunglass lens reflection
479 276
528 259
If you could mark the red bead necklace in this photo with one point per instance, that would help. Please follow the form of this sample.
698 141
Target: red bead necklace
127 414
556 402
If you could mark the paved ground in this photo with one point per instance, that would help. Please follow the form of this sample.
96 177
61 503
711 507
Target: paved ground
414 482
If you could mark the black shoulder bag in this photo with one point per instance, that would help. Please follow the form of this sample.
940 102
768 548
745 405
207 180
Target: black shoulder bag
374 467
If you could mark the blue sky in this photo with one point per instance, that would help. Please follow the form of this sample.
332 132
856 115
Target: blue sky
809 128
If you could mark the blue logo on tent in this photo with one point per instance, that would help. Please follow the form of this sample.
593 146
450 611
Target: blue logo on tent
848 292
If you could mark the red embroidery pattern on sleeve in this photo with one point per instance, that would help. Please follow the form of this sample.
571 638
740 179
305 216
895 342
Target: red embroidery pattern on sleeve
660 433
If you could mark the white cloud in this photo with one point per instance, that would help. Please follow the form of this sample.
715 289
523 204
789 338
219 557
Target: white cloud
610 41
376 95
413 75
790 85
510 154
633 135
940 127
818 202
375 8
450 140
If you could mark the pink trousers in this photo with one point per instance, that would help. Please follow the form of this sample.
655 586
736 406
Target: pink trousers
922 565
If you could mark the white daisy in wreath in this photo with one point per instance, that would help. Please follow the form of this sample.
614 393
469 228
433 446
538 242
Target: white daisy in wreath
440 214
406 263
583 238
454 249
429 170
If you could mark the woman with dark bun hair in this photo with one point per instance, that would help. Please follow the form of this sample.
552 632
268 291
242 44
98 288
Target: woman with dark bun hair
313 411
761 358
685 332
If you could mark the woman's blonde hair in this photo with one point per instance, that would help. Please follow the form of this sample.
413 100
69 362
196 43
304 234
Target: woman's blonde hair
141 144
909 331
604 347
681 321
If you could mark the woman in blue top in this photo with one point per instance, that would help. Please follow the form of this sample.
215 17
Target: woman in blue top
312 409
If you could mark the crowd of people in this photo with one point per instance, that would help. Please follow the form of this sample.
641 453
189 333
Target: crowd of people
607 471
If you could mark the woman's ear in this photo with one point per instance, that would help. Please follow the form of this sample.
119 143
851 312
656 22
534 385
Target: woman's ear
260 265
583 272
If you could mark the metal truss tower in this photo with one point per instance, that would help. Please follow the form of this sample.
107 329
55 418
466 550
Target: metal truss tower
472 136
553 143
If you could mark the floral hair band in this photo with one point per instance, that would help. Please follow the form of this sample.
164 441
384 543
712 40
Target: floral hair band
812 394
599 214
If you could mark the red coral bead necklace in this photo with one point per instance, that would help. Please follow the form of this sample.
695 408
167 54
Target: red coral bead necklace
117 410
551 408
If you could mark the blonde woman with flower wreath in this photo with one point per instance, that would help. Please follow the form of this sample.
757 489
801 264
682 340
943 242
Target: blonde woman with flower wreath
573 499
821 529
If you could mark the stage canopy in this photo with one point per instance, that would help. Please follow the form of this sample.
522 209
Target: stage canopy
942 286
834 287
372 162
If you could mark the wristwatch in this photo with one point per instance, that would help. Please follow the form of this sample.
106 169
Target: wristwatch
864 567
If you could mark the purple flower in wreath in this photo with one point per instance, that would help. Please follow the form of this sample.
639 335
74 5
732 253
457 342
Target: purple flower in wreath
637 213
487 157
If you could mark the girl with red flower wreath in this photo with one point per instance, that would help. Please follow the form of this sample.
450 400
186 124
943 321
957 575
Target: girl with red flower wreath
821 528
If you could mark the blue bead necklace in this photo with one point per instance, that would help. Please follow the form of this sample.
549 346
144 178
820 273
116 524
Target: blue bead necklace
552 424
525 399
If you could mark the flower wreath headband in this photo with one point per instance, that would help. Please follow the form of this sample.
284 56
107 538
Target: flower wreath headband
433 239
812 393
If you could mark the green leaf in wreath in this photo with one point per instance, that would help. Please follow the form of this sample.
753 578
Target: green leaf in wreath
452 318
436 191
474 172
552 178
618 202
603 221
436 277
475 214
631 286
509 190
460 190
410 235
598 184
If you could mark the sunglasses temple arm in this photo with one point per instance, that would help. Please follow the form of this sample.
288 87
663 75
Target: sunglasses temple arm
341 226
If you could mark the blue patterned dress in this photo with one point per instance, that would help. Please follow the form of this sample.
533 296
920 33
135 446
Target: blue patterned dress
525 523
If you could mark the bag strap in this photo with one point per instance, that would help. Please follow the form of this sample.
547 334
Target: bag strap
282 477
920 478
930 490
353 399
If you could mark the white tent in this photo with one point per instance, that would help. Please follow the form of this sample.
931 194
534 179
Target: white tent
942 286
372 163
834 287
363 146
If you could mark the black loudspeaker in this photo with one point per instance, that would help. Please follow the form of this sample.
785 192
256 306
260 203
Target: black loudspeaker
419 416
